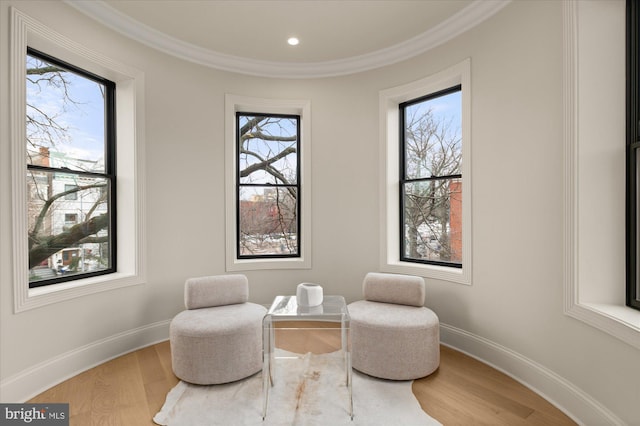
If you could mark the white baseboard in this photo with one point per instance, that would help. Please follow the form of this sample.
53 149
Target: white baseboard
574 402
28 383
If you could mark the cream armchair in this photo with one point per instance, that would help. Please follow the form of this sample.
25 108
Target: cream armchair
393 336
218 338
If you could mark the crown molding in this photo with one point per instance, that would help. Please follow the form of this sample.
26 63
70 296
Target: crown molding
469 17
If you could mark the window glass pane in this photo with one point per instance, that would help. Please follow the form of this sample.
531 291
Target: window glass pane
433 137
65 118
268 148
268 221
432 220
67 235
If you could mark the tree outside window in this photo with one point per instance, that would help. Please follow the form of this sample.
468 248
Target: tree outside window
268 201
431 179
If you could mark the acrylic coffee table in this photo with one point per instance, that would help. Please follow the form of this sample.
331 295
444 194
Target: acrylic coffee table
285 308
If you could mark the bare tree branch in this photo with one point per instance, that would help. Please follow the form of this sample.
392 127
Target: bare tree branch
33 235
265 163
47 246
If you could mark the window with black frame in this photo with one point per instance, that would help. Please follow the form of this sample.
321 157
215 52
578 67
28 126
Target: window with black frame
431 179
267 185
70 144
633 154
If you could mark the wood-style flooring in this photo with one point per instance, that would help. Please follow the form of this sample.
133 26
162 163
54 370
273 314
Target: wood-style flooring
129 390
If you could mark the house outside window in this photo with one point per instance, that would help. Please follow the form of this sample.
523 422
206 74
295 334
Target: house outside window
70 152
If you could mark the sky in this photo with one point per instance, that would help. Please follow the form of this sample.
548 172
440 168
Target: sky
83 118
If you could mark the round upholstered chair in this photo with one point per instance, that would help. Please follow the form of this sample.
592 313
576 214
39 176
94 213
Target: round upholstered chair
218 339
393 336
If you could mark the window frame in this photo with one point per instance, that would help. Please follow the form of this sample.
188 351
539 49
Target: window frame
109 173
389 121
403 179
266 106
130 124
632 152
240 185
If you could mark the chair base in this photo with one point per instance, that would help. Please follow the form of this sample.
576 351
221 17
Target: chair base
395 342
217 345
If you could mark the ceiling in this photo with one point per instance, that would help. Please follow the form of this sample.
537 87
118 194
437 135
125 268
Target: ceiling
250 36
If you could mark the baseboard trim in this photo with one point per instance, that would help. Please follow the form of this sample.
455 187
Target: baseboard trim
574 402
28 383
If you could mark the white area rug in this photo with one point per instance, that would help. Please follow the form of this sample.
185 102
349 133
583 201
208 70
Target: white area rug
309 390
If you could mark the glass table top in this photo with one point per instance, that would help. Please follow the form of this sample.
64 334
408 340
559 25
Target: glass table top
286 307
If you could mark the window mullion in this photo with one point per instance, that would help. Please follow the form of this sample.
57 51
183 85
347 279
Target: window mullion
432 178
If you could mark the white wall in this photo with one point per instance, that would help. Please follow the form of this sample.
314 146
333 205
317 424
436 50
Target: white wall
511 315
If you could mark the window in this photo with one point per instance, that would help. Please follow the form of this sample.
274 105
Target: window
594 263
268 183
431 179
71 190
70 129
63 171
633 154
267 179
425 212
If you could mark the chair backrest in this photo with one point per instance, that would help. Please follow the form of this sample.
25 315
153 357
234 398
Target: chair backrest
394 288
218 290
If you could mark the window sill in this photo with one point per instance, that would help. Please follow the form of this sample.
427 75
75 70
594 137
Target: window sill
619 321
237 265
455 275
42 296
623 314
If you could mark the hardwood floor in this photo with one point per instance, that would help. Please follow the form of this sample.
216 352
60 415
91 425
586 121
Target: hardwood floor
465 391
129 390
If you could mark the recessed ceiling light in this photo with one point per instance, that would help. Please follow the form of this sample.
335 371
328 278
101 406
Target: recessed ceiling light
293 41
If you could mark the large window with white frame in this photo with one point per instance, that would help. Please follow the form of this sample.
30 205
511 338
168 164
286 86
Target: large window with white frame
268 171
64 203
426 191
